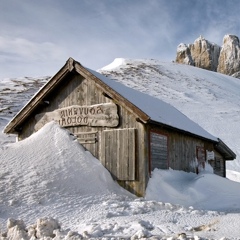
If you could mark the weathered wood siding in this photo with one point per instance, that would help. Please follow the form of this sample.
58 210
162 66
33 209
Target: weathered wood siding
218 165
181 149
80 91
158 151
118 150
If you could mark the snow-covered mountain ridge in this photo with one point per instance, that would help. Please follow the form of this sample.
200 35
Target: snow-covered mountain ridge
14 94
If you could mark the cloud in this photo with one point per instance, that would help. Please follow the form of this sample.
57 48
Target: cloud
28 51
95 32
22 57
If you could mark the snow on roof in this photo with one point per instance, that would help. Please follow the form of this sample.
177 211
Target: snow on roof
158 110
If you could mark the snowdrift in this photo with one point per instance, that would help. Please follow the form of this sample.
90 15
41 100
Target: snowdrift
47 171
205 191
51 179
51 162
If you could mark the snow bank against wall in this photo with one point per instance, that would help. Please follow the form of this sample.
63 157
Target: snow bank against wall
49 170
203 191
50 180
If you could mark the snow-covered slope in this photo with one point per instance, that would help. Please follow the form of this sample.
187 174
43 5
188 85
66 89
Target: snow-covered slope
50 174
210 99
14 94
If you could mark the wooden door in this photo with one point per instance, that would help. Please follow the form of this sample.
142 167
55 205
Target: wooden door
118 150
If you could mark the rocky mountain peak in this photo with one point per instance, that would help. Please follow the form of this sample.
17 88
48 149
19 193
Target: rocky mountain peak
210 56
229 59
184 54
203 54
231 38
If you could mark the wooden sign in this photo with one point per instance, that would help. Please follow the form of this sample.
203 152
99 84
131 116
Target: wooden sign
210 155
104 115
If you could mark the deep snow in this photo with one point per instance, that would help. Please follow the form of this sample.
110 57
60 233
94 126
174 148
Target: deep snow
49 174
204 191
41 177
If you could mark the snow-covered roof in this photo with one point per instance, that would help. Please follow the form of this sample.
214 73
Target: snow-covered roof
157 110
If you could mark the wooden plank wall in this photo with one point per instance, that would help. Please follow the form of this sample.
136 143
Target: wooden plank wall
119 153
158 150
181 148
218 165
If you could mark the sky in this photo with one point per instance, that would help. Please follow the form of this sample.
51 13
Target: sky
37 37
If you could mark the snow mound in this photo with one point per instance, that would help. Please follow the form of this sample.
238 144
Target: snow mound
205 191
48 170
43 163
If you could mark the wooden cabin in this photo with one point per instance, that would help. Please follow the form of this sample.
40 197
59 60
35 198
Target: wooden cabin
130 132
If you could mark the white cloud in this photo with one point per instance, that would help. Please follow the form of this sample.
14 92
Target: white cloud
95 32
27 50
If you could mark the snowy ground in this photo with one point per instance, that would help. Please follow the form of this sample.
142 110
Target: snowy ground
14 94
51 175
40 177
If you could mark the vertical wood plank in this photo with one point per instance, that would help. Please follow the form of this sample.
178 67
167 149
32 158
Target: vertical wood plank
120 154
132 154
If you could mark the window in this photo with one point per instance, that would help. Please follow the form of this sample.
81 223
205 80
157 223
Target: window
158 151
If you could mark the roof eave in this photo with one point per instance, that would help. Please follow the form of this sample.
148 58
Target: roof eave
225 150
181 130
13 125
115 96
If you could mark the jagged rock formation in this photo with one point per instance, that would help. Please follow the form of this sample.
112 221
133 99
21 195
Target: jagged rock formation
210 56
229 60
205 54
202 53
184 55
